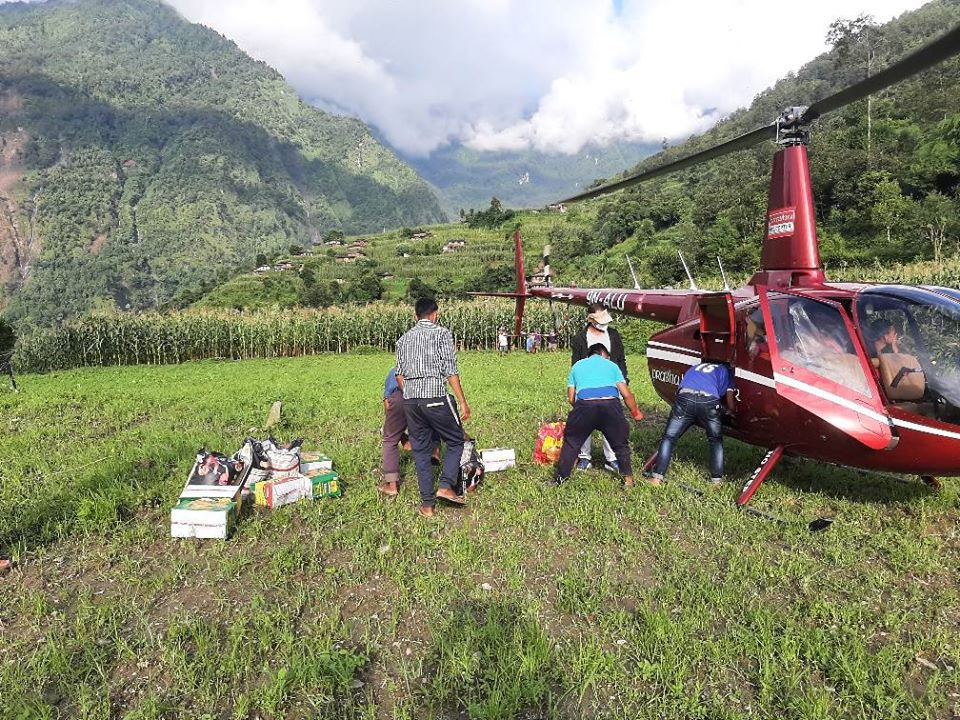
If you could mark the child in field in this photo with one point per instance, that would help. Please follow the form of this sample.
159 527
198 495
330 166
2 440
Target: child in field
394 428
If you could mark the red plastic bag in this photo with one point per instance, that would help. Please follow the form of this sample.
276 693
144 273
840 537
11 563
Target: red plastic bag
549 442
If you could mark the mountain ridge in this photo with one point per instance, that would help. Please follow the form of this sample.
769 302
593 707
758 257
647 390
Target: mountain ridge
141 156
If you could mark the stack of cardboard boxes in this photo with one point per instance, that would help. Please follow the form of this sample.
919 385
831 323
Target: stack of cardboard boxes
218 489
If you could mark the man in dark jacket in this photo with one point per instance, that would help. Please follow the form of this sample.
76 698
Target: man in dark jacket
598 331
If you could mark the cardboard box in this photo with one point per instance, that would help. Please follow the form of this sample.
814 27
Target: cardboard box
312 462
285 491
326 485
496 459
203 518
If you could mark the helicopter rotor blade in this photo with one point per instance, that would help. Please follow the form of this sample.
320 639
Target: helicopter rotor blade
765 132
946 46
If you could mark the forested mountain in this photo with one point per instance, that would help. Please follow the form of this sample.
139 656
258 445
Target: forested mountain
885 174
143 157
467 178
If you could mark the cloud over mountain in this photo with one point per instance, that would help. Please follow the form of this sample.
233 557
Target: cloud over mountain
550 75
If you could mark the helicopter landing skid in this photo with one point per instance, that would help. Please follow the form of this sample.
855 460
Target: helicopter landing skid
766 466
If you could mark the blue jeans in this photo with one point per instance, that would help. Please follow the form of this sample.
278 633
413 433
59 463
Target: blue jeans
689 410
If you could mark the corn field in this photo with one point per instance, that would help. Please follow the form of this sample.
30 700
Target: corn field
132 339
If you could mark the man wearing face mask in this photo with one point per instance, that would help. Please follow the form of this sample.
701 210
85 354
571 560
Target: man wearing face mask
598 331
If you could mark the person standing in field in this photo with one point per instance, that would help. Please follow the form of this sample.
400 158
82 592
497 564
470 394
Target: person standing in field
395 435
426 365
394 427
704 389
594 388
598 330
503 341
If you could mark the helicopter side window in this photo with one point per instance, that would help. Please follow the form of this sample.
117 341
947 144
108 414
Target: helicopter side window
914 338
814 336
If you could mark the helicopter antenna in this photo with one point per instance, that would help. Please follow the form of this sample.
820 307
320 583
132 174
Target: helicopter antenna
636 283
726 285
693 285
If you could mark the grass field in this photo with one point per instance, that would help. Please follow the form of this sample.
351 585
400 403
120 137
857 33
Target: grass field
533 602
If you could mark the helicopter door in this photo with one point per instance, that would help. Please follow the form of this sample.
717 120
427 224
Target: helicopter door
717 327
819 365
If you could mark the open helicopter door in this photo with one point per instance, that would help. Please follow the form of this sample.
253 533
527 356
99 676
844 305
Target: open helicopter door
717 327
819 365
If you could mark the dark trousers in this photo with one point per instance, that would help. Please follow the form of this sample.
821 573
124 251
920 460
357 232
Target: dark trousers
689 410
428 418
587 416
394 425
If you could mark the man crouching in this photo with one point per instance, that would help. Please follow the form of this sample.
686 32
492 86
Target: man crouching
594 388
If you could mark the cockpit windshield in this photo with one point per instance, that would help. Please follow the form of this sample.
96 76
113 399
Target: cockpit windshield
912 336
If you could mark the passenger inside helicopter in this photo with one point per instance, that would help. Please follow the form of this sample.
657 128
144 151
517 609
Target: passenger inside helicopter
813 336
919 371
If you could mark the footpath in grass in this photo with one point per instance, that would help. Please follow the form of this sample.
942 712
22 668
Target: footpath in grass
533 602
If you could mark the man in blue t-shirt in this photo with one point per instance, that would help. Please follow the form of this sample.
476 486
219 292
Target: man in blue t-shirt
594 388
702 390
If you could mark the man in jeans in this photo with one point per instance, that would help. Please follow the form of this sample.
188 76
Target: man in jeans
702 390
594 388
426 363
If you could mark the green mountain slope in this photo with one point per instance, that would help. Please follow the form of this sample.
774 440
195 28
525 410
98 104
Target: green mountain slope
142 157
468 178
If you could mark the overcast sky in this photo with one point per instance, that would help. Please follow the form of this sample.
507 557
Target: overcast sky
547 74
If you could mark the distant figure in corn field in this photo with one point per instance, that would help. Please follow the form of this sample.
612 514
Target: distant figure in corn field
426 365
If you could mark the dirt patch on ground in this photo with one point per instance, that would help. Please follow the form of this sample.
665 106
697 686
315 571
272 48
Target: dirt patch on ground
10 102
96 247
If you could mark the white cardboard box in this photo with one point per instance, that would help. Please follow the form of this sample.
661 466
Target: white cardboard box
496 459
203 518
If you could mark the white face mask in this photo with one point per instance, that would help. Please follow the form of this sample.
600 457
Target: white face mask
600 327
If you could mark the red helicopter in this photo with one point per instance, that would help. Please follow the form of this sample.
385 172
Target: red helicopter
856 374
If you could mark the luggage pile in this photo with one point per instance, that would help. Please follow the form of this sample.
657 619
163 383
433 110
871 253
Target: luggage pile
260 473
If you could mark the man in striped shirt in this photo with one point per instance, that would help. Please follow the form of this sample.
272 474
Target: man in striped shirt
426 363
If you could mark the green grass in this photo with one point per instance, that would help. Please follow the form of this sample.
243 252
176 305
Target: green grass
532 602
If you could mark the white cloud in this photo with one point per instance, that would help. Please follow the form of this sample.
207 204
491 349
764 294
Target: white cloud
547 74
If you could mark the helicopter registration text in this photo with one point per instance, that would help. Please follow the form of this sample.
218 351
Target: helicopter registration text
780 223
612 300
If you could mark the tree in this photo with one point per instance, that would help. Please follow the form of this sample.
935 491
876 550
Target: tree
7 338
365 288
857 39
296 250
417 289
939 217
889 205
